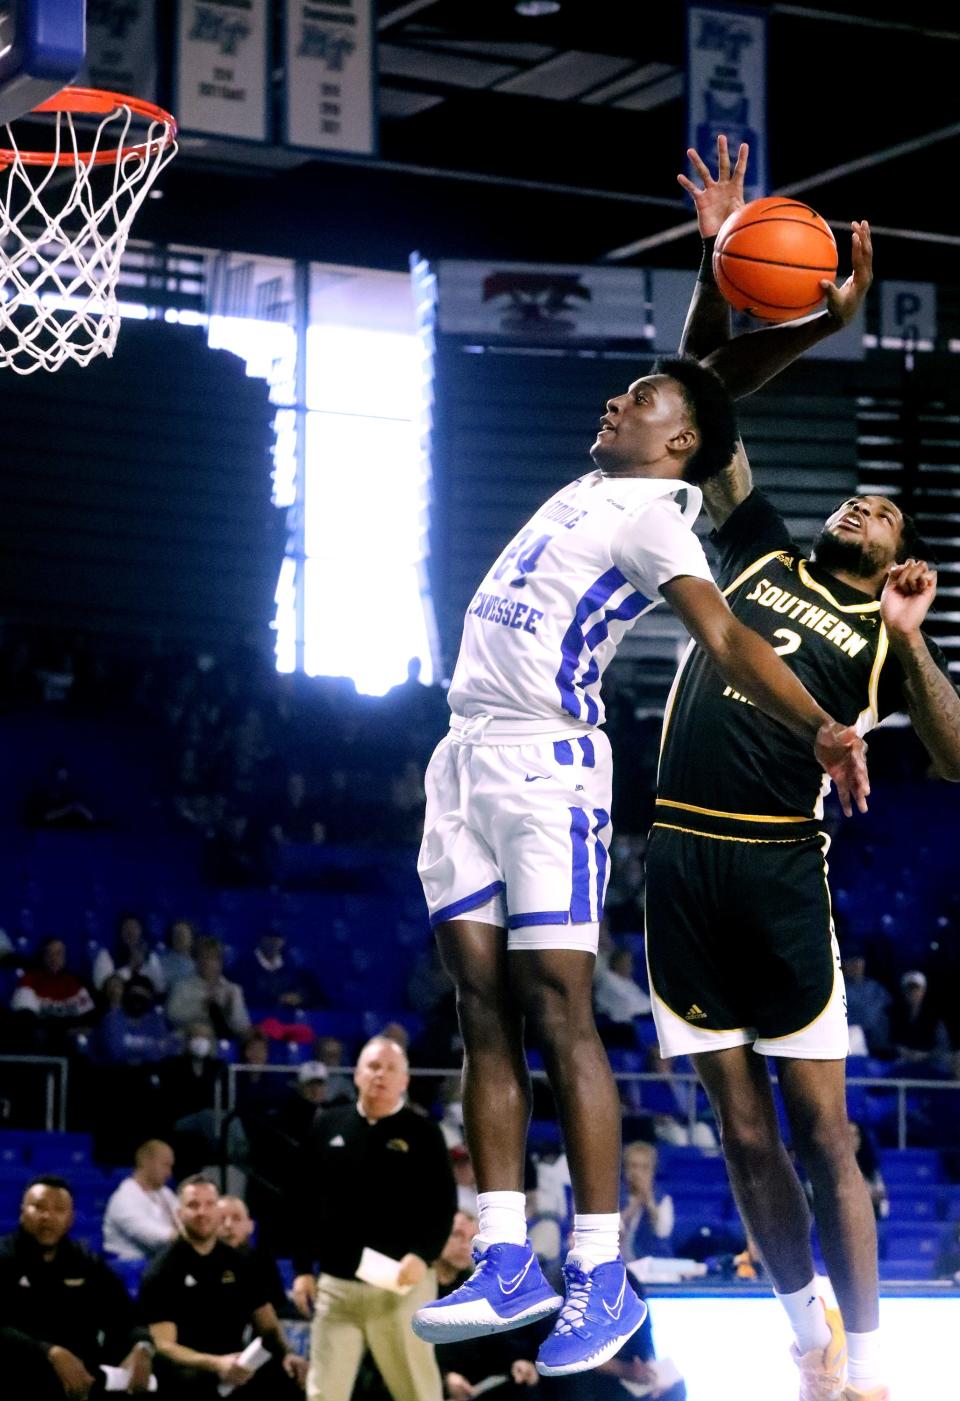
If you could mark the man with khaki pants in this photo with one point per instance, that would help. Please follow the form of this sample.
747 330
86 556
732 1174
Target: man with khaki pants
378 1178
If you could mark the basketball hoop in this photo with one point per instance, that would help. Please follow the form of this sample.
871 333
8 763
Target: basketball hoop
65 216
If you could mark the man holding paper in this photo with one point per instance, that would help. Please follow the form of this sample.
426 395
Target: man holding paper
381 1197
200 1296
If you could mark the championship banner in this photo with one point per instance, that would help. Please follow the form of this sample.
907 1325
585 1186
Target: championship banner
223 68
727 85
549 304
329 75
121 47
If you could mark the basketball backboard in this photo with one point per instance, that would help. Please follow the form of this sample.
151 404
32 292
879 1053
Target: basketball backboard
42 44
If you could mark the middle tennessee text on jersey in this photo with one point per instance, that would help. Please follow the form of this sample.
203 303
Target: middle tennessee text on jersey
549 615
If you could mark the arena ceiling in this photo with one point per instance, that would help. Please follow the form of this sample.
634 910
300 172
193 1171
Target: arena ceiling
558 138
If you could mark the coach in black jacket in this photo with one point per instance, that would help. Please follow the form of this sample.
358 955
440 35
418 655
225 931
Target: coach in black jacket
63 1310
377 1177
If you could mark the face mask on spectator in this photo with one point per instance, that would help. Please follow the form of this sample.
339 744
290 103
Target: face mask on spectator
200 1046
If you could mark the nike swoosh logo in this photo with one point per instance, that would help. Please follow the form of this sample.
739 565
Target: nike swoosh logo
511 1286
532 777
617 1309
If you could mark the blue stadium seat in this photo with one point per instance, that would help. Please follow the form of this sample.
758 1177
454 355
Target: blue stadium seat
911 1165
915 1202
908 1268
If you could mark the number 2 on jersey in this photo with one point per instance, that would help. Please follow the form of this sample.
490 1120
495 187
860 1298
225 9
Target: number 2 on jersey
791 641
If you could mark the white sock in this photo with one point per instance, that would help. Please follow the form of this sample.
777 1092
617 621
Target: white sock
596 1237
807 1318
863 1360
503 1218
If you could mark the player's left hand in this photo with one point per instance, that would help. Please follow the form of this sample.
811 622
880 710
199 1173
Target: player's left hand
907 596
843 302
718 198
842 754
296 1368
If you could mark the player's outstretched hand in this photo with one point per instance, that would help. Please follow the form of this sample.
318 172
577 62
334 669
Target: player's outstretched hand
843 302
907 595
842 754
717 199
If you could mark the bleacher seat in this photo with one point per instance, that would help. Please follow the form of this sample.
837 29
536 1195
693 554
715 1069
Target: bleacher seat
913 1166
915 1202
906 1268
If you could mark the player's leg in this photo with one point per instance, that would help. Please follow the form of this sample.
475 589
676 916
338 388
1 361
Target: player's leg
507 1289
496 1082
553 986
765 1186
464 885
814 1093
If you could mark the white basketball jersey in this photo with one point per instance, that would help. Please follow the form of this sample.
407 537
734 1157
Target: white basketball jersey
549 615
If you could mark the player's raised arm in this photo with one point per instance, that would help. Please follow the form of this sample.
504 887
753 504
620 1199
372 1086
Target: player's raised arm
749 664
747 362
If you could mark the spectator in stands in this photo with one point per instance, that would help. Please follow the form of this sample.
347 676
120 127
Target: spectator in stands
918 1036
465 1365
209 996
54 996
339 1090
131 956
68 1311
135 1033
110 997
236 1230
295 817
141 1215
868 1161
303 1101
58 802
259 1091
868 1001
270 982
200 1296
176 954
379 1177
619 1000
646 1222
188 1091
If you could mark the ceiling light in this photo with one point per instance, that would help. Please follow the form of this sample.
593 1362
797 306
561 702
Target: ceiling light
533 9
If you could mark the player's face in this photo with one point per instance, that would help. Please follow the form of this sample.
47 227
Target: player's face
868 529
646 431
200 1212
47 1215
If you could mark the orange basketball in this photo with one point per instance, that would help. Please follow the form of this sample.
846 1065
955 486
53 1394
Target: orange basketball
770 257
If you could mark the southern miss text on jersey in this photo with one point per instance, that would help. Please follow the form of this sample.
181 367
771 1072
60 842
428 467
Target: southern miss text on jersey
725 767
550 612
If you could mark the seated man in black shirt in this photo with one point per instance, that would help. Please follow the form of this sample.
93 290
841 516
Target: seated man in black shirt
200 1298
236 1230
64 1312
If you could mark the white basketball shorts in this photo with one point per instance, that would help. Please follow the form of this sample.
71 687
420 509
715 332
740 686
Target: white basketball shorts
517 835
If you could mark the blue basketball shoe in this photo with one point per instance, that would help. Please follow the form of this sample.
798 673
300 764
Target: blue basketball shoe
506 1290
601 1311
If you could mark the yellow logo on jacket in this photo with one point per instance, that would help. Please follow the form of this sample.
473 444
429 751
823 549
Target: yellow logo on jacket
398 1145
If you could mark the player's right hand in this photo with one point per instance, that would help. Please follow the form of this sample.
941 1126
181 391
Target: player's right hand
457 1387
71 1373
230 1371
721 197
842 754
304 1294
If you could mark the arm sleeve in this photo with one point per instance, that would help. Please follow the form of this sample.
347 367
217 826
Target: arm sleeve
657 545
891 692
753 529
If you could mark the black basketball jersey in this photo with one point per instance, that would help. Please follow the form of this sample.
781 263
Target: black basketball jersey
727 768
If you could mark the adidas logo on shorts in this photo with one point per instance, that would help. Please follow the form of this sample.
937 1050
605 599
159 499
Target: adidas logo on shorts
696 1014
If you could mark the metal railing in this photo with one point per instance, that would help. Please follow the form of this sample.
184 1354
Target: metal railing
56 1083
687 1081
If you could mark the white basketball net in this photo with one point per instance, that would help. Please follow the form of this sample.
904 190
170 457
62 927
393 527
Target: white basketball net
63 229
